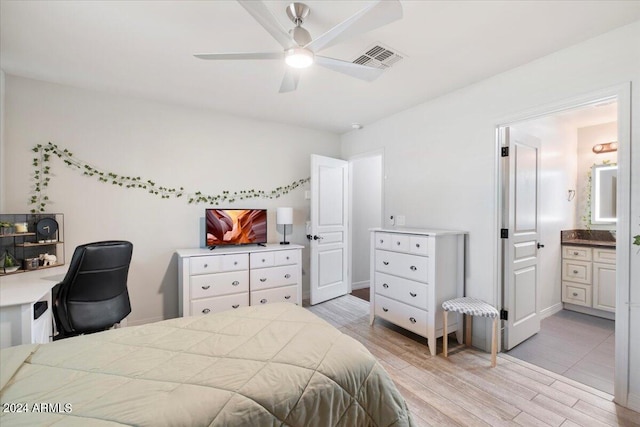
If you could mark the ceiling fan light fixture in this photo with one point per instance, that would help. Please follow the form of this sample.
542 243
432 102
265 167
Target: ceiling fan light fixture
298 57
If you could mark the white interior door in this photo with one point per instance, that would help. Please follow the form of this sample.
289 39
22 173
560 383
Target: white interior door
329 232
521 274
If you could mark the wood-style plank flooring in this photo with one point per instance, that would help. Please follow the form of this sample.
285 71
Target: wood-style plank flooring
463 390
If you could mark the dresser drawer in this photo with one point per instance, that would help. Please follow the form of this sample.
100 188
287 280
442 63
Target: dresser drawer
576 252
607 256
400 242
576 293
208 285
262 259
419 245
383 241
403 315
268 296
404 290
576 271
218 304
264 278
218 263
286 257
412 267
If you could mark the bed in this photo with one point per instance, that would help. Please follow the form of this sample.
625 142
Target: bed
277 364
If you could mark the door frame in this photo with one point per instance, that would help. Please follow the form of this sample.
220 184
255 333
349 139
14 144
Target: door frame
622 93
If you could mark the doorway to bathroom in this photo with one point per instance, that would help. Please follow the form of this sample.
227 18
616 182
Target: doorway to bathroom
559 252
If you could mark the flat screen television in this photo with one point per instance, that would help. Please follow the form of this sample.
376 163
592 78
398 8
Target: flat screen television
235 227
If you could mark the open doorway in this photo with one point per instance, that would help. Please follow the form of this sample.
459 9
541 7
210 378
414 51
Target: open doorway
366 176
559 256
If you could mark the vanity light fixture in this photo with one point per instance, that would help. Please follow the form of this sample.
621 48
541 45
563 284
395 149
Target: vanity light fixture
606 147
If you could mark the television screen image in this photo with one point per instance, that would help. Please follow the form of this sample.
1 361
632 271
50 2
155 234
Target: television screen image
236 226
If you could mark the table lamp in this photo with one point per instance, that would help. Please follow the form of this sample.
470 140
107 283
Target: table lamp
284 217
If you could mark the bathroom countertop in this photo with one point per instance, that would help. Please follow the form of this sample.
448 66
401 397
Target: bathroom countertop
590 243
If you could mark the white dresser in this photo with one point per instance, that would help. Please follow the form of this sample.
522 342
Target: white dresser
226 278
589 280
412 272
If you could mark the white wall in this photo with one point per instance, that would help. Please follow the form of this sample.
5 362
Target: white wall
440 156
588 137
366 213
175 146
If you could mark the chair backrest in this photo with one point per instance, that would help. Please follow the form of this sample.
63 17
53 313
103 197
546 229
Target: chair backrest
93 295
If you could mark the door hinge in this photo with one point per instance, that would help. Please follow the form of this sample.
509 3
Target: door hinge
504 233
504 314
504 152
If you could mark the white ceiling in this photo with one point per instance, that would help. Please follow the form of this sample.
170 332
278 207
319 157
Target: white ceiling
144 48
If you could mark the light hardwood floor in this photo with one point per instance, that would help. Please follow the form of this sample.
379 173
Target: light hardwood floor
464 390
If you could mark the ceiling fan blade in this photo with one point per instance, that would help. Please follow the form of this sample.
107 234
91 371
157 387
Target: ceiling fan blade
245 55
376 14
263 15
290 80
358 71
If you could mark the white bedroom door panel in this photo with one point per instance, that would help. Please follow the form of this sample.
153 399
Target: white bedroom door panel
521 273
329 229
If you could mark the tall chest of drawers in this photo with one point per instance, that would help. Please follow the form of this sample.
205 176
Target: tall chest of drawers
412 273
238 276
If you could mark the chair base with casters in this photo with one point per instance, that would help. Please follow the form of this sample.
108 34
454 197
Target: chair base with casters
471 307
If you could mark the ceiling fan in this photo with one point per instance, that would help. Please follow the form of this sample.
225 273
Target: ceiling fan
300 50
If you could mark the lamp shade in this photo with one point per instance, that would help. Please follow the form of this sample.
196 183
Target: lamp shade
284 216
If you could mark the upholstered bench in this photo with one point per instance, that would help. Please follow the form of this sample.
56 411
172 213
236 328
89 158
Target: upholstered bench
471 307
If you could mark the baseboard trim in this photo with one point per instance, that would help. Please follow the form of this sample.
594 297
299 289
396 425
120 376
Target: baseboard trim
550 311
590 311
360 285
633 402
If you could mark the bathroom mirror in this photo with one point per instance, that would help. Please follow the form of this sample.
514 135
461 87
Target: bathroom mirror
604 180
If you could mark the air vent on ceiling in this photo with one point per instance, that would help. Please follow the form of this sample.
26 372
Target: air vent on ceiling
379 56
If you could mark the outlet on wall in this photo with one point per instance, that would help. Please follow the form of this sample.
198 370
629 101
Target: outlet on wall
400 220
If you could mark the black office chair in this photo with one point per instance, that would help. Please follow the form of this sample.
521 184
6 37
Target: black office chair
93 295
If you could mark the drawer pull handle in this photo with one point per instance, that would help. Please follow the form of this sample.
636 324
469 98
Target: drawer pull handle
206 265
413 294
417 245
381 240
385 309
206 287
398 243
287 258
384 285
263 301
235 283
235 262
576 253
385 262
263 260
412 319
575 294
575 271
235 305
413 268
264 279
287 296
287 276
206 311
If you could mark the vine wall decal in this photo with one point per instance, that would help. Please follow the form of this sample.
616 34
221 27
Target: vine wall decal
42 178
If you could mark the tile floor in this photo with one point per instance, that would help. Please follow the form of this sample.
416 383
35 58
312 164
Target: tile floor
575 345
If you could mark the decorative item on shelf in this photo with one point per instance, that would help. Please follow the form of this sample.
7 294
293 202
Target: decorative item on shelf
46 229
284 217
6 228
31 263
9 263
48 260
21 227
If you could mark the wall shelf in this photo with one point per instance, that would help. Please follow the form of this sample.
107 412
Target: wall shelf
26 247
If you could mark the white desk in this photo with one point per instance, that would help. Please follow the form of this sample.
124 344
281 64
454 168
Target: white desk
18 294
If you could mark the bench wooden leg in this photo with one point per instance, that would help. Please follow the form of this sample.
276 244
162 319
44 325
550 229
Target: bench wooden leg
494 342
445 338
467 335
